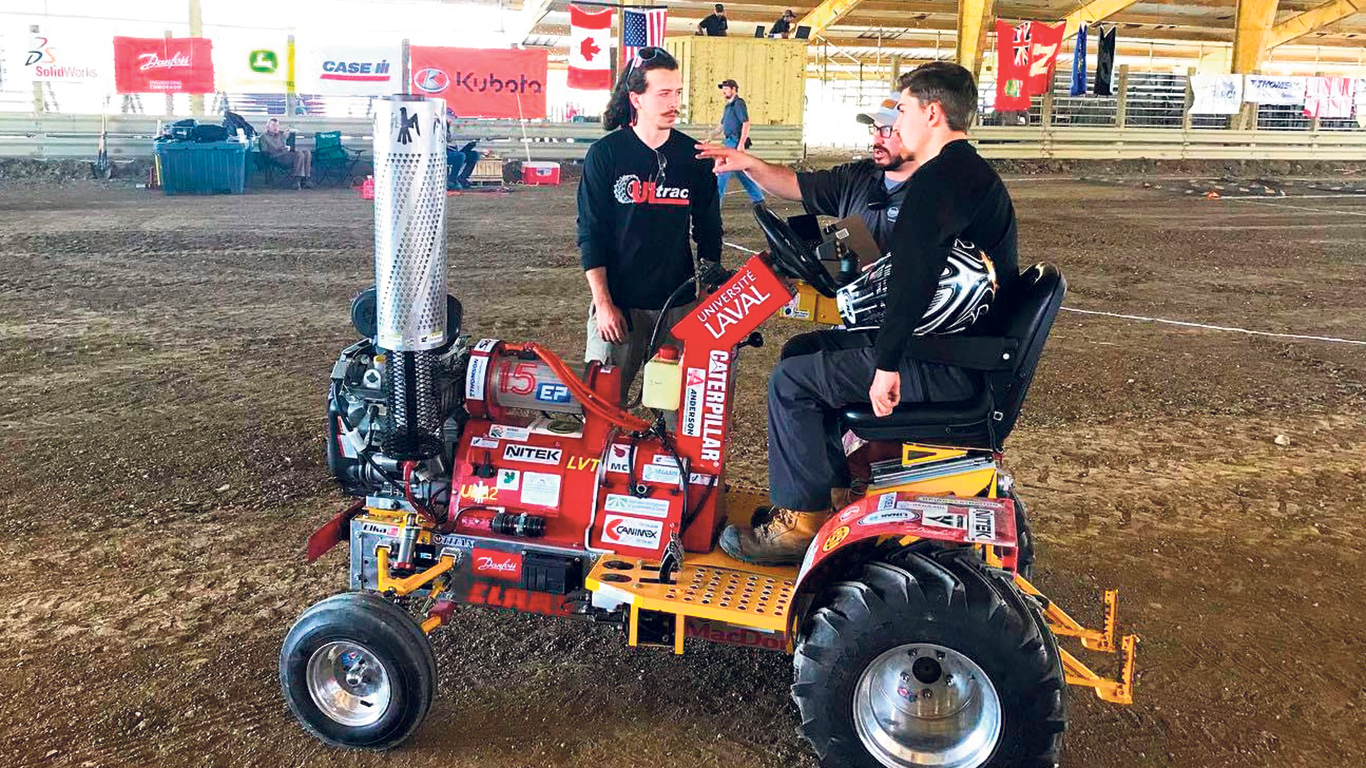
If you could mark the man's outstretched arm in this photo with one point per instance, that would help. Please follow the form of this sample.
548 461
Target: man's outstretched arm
775 179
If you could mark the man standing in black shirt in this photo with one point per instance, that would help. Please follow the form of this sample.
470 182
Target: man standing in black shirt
954 197
715 25
872 189
641 195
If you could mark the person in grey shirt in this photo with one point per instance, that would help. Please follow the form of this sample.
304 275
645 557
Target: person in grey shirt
734 128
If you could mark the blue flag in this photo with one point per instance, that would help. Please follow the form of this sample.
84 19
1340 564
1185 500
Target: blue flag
1079 64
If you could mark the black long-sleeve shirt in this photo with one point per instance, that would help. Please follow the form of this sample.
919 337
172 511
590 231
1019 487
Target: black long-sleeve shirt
636 208
955 195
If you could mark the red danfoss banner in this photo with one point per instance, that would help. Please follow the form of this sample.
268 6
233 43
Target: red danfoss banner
477 82
163 65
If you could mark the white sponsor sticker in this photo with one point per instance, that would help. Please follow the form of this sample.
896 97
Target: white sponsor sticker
483 442
700 479
509 479
889 516
532 454
541 489
632 531
631 505
693 393
886 501
981 525
504 432
476 377
944 520
485 345
619 459
658 473
663 458
790 309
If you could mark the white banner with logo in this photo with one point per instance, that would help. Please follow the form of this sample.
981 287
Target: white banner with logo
55 55
252 64
349 70
1266 89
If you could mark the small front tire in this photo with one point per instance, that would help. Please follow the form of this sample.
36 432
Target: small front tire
357 671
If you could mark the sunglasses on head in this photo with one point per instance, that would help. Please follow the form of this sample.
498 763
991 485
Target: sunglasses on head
648 53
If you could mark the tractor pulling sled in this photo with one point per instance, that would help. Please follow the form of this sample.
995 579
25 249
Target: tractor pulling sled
493 473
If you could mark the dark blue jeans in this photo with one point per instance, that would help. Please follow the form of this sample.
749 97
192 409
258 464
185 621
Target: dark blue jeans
461 166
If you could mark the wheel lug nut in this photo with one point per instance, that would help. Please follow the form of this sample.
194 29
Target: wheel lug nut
939 654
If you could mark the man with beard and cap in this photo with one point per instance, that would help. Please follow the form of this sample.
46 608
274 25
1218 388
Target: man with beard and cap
873 189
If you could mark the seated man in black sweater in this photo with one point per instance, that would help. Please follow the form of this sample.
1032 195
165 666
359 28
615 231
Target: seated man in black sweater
642 194
955 207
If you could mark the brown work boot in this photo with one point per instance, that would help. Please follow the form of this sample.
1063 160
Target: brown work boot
776 536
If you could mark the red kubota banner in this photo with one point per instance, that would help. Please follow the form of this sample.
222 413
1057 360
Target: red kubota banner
163 65
1025 56
478 82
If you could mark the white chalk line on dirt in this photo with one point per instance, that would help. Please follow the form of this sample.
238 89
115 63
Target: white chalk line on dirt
1141 318
1296 207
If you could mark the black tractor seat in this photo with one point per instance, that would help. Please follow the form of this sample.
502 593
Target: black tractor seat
1004 358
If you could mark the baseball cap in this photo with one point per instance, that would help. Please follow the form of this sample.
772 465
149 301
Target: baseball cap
731 83
884 113
789 13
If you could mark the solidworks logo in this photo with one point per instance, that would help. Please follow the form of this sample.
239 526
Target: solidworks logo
499 565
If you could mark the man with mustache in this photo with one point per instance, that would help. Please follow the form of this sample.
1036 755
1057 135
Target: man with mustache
642 195
872 189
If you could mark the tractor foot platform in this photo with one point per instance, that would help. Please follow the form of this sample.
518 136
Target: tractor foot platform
712 587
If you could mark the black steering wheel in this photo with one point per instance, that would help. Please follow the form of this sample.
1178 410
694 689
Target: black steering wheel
791 254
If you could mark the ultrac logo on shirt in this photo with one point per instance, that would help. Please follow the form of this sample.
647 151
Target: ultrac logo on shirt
630 190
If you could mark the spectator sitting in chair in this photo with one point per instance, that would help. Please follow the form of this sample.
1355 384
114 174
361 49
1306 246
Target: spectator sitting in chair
783 26
275 145
460 159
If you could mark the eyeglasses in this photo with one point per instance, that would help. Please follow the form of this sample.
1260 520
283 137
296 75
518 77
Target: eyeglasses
885 131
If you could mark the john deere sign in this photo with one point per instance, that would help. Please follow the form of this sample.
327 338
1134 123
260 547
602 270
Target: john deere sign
264 62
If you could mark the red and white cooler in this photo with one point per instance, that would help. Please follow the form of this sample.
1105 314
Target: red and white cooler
541 173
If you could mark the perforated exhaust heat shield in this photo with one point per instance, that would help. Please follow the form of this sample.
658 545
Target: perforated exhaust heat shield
410 223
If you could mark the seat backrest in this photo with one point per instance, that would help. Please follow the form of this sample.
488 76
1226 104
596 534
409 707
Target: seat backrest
1039 294
326 139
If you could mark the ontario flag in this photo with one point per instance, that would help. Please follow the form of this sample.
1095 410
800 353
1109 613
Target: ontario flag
1025 56
590 65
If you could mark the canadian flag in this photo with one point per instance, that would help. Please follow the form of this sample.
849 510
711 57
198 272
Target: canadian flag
590 37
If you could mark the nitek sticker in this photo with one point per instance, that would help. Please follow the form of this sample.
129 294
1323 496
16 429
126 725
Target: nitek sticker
540 489
532 454
835 538
632 532
509 479
476 377
504 432
981 525
618 502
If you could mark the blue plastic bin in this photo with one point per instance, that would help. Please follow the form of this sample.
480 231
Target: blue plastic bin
210 168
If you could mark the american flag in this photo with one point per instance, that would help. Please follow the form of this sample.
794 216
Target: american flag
640 29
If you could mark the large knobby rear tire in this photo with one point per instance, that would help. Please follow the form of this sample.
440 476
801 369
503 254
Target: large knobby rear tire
357 671
937 622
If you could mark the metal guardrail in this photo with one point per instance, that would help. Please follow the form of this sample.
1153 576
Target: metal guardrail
1166 144
56 136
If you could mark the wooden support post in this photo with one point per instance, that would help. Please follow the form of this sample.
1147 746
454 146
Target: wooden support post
196 30
1046 109
973 18
1190 100
407 76
1122 99
1252 23
896 72
170 98
290 97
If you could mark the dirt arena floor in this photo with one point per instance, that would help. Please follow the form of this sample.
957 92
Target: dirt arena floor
164 363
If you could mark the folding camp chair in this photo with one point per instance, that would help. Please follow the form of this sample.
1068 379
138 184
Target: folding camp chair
332 161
